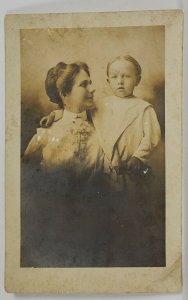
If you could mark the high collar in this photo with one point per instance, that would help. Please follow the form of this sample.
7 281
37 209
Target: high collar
69 116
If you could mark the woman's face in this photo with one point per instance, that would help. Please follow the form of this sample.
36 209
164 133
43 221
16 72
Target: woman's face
81 96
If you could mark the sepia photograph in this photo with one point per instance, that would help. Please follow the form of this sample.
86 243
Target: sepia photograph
93 167
93 140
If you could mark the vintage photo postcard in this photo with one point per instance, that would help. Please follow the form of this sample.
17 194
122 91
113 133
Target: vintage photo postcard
94 152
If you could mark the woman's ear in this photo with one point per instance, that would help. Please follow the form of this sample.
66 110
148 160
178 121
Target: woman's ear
64 98
138 80
107 79
62 94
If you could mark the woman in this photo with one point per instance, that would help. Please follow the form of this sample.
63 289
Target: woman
70 145
59 215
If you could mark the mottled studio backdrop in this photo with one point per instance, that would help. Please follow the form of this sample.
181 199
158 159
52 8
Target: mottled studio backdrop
43 48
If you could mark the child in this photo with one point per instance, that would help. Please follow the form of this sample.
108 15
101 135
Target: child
127 126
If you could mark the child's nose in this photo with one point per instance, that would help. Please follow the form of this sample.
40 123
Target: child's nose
120 80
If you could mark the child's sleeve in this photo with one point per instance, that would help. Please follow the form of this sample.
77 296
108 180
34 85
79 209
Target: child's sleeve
54 116
58 113
151 135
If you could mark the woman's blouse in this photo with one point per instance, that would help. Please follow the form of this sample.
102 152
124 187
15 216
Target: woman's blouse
70 144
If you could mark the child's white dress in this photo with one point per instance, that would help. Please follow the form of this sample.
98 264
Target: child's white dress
126 127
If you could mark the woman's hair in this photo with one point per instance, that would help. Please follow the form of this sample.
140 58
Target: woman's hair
128 58
60 80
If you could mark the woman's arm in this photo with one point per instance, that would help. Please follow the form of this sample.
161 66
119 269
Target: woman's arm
34 149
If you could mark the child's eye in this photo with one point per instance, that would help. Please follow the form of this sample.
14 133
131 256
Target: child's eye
113 77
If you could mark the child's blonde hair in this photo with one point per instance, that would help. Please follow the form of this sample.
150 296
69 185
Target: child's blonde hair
128 58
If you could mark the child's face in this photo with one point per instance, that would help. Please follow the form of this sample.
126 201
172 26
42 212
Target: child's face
122 78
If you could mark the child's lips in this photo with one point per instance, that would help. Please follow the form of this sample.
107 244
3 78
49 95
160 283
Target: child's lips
120 88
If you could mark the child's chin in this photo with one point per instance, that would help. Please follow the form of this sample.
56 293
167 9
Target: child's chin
122 94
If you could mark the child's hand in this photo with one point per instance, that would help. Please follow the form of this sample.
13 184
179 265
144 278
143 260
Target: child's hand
48 120
134 164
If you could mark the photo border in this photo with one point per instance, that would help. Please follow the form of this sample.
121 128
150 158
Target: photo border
96 280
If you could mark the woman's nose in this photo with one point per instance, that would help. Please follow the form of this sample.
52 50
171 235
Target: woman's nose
91 89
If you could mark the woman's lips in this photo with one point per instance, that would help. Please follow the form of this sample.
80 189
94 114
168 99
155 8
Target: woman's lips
90 98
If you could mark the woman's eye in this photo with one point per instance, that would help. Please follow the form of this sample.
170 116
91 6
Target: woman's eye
83 84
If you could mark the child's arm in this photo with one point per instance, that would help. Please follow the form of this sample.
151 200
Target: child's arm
49 119
151 135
